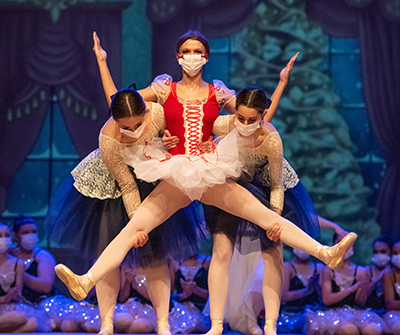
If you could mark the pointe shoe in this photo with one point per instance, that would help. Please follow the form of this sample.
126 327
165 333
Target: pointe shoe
71 280
270 327
339 250
163 326
217 327
106 331
255 330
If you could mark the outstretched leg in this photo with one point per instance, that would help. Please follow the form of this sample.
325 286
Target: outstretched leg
218 280
238 201
166 200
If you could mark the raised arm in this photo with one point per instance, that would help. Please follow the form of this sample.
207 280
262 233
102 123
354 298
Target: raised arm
276 96
106 78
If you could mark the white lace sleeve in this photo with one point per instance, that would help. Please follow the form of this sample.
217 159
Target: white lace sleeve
221 126
158 117
110 150
274 151
161 86
222 93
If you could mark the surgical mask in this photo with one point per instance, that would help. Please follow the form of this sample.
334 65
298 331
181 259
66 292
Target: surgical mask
192 64
134 134
29 241
396 261
349 254
301 254
5 244
380 260
246 130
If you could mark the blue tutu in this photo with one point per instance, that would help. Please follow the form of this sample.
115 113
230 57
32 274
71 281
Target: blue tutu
248 237
82 226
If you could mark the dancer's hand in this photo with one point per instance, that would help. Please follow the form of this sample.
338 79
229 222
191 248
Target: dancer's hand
188 288
13 294
274 233
169 142
100 53
284 75
206 147
142 238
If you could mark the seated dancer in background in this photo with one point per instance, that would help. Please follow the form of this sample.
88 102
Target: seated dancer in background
14 317
391 291
39 264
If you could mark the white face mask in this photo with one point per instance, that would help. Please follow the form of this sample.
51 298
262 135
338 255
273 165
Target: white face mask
349 254
246 130
192 64
134 134
380 260
29 241
396 261
301 254
5 244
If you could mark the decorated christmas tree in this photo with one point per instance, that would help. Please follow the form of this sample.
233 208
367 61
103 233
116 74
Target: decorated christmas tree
315 137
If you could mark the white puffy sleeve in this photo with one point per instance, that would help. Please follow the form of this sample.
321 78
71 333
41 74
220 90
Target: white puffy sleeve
222 93
161 86
221 126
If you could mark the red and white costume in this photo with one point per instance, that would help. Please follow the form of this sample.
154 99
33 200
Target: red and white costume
185 166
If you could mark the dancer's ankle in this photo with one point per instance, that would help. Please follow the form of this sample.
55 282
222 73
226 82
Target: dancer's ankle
87 283
270 327
163 326
217 327
333 256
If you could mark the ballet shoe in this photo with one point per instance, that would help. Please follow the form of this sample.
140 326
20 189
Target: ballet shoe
270 327
78 289
255 330
106 331
216 327
163 326
333 256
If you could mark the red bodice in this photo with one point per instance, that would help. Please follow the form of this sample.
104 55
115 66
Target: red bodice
190 120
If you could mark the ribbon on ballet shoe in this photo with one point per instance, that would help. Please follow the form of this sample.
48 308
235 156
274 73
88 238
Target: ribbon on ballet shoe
339 250
71 280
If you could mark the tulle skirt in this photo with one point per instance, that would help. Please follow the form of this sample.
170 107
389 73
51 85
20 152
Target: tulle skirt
248 237
192 174
330 321
83 226
10 310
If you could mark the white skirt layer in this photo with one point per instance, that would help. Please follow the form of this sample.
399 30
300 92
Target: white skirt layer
192 174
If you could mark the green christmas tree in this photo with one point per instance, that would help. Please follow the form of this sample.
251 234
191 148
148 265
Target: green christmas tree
315 137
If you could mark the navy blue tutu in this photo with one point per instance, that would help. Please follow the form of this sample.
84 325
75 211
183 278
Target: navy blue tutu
82 227
248 237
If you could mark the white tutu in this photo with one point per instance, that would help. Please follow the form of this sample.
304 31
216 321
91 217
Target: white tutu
192 174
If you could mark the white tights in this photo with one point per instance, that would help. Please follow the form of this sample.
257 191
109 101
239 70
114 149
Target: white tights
218 282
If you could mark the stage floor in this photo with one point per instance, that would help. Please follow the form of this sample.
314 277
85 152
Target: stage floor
227 333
